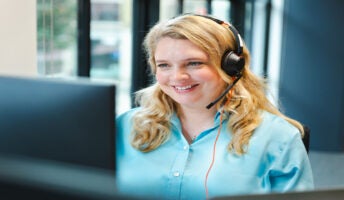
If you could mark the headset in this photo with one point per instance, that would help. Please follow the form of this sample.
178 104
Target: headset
232 62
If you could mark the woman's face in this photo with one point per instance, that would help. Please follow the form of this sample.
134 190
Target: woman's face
183 73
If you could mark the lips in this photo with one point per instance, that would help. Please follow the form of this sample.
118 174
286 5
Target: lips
184 88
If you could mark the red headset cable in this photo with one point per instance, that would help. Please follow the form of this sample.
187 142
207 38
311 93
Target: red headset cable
214 148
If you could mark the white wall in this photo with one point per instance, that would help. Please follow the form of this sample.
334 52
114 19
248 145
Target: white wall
18 37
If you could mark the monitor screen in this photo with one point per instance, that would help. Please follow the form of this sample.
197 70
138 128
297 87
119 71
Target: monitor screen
63 120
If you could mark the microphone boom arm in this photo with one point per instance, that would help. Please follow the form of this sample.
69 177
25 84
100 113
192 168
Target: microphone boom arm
225 92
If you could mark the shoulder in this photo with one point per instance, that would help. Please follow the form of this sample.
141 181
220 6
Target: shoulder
274 133
276 126
124 120
127 114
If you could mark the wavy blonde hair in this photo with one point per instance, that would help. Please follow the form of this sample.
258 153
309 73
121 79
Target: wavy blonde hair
151 124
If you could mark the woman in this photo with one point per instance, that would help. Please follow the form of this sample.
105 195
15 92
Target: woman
205 128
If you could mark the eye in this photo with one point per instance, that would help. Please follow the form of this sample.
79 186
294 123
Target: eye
195 63
162 65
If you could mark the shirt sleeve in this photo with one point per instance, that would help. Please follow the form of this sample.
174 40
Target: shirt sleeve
291 170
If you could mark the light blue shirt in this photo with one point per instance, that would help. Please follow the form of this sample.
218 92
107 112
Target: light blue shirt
276 161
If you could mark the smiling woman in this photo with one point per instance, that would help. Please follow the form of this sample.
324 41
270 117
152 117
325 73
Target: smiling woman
239 144
185 74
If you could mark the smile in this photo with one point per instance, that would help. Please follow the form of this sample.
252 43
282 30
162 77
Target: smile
184 88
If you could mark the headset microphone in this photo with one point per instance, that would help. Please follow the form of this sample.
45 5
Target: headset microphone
232 62
229 87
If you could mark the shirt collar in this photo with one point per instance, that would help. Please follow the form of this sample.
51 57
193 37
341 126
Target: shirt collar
176 121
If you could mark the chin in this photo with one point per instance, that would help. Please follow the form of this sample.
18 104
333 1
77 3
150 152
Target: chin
191 104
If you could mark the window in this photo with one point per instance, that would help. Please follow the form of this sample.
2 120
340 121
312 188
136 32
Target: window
56 37
111 46
110 36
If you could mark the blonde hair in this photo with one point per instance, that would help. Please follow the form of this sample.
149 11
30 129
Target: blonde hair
151 125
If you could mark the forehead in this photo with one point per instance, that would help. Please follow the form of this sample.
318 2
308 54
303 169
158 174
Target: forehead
167 47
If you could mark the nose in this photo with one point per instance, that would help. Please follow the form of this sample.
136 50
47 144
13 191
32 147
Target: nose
180 73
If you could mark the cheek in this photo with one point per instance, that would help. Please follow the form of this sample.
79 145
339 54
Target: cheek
214 81
209 76
160 78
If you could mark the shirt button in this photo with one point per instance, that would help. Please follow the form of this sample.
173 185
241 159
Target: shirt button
176 174
186 147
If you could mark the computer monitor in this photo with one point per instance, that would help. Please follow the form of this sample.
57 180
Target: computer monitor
62 120
40 179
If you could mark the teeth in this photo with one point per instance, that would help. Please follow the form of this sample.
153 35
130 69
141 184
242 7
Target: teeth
183 88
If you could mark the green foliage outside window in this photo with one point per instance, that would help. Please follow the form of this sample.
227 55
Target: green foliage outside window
56 23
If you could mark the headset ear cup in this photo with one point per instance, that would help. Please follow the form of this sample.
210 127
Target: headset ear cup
232 64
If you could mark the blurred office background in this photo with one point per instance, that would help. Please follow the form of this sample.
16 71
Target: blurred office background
297 44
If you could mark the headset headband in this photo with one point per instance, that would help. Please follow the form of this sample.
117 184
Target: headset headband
238 39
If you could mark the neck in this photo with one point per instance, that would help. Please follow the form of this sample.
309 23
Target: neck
196 113
195 121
